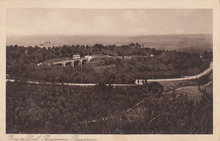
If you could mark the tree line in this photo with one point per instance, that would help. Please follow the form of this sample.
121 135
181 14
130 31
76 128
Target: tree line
21 63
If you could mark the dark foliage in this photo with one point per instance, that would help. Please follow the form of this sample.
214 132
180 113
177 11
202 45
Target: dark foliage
60 109
22 63
156 88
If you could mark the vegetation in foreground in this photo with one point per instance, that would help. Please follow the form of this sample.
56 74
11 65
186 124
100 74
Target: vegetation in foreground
61 109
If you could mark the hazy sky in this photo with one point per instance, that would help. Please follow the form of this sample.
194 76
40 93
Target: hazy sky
107 22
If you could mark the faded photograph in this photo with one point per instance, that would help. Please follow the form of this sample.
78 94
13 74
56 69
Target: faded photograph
109 71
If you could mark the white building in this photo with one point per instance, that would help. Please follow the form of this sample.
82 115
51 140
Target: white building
140 81
76 56
88 57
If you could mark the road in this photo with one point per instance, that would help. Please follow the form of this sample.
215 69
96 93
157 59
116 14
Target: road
205 72
74 84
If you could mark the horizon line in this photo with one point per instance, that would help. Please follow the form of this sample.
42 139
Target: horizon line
112 35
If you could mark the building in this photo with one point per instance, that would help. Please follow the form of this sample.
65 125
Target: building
76 56
88 57
140 81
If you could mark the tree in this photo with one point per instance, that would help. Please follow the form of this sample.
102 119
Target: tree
156 88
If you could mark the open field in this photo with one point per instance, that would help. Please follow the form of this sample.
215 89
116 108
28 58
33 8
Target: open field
191 92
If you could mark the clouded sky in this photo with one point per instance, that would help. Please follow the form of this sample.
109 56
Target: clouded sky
107 22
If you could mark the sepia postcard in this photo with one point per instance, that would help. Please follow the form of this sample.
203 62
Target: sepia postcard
109 70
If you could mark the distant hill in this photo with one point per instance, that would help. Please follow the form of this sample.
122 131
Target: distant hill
189 43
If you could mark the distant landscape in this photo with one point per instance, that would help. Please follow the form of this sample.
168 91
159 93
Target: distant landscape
190 43
140 108
109 71
109 63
